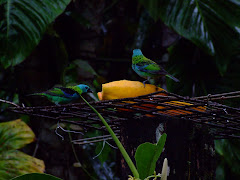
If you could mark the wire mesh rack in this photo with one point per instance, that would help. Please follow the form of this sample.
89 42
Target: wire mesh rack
223 121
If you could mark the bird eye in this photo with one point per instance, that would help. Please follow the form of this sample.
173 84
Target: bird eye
86 87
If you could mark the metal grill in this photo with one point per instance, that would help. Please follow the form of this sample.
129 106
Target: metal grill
223 121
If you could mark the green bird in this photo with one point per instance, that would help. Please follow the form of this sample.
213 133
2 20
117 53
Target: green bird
64 95
147 68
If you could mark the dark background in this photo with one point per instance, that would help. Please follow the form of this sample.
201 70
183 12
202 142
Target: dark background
91 42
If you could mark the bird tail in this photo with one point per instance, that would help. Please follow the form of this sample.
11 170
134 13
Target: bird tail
173 78
36 94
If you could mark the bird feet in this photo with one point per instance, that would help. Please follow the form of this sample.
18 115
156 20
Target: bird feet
144 82
59 105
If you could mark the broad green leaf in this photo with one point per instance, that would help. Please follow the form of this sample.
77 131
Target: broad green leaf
212 25
22 24
15 135
147 155
36 176
14 163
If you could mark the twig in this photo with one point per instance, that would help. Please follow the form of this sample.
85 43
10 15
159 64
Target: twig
234 94
92 141
91 138
9 102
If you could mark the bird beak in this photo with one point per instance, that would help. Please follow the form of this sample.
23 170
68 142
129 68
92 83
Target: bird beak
89 91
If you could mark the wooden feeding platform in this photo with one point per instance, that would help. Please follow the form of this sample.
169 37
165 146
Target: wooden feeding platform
223 121
191 125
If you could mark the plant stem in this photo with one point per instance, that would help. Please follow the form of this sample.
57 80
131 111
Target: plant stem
76 157
118 143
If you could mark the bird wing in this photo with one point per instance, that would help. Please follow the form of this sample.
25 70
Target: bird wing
61 92
67 92
150 67
55 92
52 92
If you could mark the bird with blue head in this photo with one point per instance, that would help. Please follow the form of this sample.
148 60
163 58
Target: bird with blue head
64 95
148 69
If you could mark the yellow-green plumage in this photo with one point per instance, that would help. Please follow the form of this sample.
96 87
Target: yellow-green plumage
64 95
147 68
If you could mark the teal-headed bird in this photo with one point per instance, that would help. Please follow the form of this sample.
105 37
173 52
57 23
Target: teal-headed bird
64 95
148 69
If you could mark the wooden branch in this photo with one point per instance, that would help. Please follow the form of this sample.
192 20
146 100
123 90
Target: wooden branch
9 102
213 114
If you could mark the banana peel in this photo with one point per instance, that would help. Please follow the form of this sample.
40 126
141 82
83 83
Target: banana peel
127 89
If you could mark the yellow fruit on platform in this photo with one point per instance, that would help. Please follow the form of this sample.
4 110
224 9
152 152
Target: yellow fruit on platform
125 89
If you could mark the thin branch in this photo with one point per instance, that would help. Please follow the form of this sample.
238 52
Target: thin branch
9 102
91 138
220 96
93 141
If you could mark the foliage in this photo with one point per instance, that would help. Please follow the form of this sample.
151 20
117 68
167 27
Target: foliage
14 135
98 39
36 176
78 68
208 24
22 24
147 155
194 68
116 140
229 159
103 150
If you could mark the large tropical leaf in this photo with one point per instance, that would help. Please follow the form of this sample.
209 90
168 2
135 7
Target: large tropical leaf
15 135
14 163
36 176
22 24
212 25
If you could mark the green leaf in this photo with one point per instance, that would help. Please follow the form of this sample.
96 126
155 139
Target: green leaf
78 69
104 152
14 163
212 25
116 140
15 135
229 151
22 24
147 155
220 173
36 176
